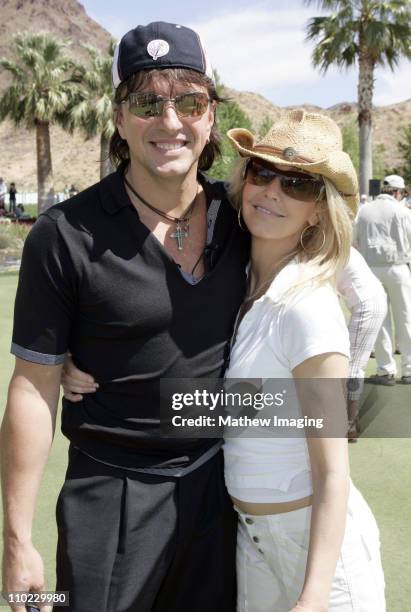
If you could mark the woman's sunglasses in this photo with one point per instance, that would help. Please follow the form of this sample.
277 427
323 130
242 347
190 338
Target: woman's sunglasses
294 184
147 105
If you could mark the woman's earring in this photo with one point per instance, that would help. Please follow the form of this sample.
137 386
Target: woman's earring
309 227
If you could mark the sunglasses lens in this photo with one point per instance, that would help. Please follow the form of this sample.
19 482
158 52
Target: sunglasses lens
145 105
301 188
259 175
298 187
191 104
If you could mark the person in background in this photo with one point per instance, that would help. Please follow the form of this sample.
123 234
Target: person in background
3 191
383 236
12 198
21 213
363 199
365 298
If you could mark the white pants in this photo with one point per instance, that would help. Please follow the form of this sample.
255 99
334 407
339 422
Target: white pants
272 557
397 283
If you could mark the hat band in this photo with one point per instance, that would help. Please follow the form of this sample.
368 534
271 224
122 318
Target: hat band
280 152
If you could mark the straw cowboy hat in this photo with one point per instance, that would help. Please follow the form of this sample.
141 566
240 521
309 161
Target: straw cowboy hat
307 141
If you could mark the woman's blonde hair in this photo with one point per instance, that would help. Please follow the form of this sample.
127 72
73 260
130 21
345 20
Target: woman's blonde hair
324 250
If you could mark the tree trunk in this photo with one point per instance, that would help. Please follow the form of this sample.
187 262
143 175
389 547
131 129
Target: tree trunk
365 94
106 167
45 188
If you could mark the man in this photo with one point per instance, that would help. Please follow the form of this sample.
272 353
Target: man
383 236
131 276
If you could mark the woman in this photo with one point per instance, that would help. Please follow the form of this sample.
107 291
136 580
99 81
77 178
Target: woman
307 541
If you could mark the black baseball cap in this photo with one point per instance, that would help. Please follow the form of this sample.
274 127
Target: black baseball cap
159 45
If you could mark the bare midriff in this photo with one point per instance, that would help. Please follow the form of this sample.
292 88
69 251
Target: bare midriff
261 509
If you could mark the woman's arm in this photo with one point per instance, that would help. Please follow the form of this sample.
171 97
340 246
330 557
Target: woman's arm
75 382
330 474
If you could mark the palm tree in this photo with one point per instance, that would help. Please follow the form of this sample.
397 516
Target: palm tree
370 32
93 111
39 93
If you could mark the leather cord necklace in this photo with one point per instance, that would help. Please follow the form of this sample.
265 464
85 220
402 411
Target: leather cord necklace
182 223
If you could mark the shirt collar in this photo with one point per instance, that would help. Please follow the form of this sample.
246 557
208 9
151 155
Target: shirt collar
387 196
113 195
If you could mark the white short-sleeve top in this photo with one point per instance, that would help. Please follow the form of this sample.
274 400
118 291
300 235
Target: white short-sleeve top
277 334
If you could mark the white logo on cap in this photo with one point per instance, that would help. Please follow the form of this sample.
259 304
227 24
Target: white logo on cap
158 48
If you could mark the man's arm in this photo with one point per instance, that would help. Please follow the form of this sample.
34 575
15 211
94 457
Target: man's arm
26 437
365 297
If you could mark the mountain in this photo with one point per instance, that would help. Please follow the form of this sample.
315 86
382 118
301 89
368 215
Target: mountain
76 161
66 19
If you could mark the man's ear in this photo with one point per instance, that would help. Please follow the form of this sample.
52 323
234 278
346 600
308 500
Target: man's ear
212 113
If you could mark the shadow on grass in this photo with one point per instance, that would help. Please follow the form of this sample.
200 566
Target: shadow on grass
385 411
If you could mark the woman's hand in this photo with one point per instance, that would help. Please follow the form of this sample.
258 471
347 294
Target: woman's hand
75 382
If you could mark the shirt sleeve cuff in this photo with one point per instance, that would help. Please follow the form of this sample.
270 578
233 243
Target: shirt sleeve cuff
318 349
35 357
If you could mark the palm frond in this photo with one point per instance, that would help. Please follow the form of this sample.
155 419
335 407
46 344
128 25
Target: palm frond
94 115
15 70
39 70
380 29
329 5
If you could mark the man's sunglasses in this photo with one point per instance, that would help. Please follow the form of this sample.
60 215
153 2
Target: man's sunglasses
147 105
294 184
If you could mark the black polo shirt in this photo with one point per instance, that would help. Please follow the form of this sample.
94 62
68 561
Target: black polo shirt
95 281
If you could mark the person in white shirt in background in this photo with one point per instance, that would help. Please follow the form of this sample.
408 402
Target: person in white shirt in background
383 236
365 298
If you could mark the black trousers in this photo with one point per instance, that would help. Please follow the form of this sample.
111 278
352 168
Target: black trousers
129 542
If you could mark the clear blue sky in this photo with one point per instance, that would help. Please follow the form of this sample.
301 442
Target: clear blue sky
255 46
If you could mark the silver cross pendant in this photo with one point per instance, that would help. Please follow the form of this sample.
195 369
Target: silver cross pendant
179 234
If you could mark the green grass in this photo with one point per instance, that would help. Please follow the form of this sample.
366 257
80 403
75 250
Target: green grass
380 469
31 209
